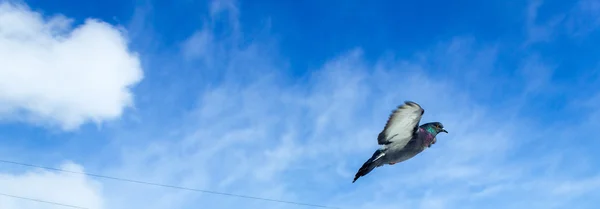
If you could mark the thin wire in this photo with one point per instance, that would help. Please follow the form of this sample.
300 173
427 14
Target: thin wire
42 201
165 185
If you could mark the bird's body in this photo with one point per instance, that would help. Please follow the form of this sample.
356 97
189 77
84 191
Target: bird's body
402 138
396 154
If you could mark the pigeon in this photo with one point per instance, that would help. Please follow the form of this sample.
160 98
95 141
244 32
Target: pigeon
402 138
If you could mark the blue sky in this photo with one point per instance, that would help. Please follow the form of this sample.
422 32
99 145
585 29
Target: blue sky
284 100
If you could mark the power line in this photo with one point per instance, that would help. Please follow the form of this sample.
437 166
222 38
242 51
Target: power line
165 185
42 201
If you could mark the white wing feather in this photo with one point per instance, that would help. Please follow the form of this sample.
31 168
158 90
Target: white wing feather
401 125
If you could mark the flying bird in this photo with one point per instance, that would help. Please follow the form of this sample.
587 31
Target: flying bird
402 138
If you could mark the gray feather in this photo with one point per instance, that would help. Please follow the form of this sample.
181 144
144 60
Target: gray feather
402 124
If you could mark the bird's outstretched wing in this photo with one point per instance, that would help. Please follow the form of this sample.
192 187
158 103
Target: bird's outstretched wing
401 125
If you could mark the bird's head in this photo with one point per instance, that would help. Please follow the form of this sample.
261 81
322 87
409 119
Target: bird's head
434 128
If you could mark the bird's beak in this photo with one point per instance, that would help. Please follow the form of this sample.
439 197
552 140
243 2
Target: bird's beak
444 130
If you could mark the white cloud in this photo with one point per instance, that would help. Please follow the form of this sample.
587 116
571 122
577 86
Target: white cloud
69 189
54 74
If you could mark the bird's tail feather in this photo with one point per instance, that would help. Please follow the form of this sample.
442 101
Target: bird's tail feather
369 165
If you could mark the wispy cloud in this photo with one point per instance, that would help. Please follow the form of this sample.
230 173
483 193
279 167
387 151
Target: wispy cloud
283 139
575 22
585 18
544 31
